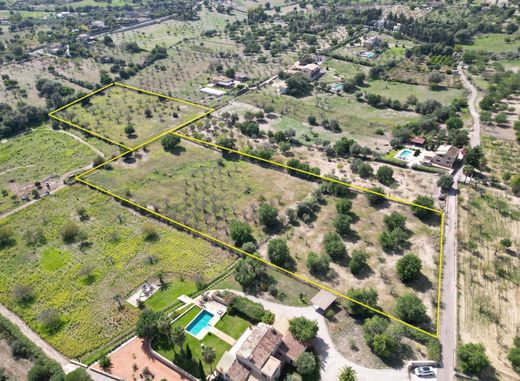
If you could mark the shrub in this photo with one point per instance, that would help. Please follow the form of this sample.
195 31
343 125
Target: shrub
23 293
251 311
342 224
385 175
376 325
240 232
409 267
19 350
318 264
472 358
6 237
375 199
79 374
385 345
306 363
366 296
268 215
105 363
334 246
39 372
411 309
50 321
303 329
69 232
150 232
423 201
393 240
365 170
445 182
170 142
358 262
394 221
148 324
278 252
343 206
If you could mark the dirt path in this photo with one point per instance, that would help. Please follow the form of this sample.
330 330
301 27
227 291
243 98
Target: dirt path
82 141
52 191
15 168
448 323
331 361
34 337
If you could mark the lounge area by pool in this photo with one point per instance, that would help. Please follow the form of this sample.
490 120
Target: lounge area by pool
199 323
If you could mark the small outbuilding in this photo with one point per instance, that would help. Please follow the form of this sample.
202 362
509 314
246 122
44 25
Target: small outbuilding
322 301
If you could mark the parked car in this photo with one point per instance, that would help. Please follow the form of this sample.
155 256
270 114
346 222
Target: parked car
424 371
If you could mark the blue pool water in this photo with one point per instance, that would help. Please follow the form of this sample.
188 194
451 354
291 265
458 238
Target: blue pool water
405 154
200 322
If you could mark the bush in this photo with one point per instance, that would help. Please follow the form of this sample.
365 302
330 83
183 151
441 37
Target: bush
334 246
6 237
374 326
51 321
342 224
278 252
39 372
385 175
358 262
303 329
393 240
472 358
79 374
240 232
70 232
445 182
268 215
411 309
318 265
409 268
366 296
343 206
150 232
395 220
19 350
170 142
306 363
251 311
385 345
148 324
365 171
375 199
423 201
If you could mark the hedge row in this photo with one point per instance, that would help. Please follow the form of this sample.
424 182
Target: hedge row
251 311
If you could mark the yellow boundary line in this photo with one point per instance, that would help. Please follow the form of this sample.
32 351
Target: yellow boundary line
220 242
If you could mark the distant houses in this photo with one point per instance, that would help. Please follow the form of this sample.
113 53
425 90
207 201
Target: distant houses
311 70
445 156
372 42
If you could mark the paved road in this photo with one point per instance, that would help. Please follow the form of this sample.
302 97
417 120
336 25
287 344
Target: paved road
448 327
331 361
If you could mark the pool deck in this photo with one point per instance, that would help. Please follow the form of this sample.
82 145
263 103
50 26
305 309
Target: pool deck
217 310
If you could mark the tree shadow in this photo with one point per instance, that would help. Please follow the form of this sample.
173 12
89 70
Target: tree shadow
177 150
364 273
421 284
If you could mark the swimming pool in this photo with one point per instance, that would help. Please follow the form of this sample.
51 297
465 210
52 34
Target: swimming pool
199 322
404 154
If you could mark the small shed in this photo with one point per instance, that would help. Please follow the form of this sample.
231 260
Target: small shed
322 301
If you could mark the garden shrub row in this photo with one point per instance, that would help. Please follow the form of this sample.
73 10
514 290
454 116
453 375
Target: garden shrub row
251 311
393 161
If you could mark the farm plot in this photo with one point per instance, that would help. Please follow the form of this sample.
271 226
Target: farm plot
76 255
212 192
129 117
200 187
489 274
38 156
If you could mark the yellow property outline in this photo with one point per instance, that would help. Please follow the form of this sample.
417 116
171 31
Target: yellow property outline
302 278
70 123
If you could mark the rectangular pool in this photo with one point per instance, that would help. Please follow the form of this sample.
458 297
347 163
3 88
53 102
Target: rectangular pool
404 154
199 322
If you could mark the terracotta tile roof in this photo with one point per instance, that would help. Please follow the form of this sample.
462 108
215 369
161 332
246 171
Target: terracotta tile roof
291 347
267 345
238 372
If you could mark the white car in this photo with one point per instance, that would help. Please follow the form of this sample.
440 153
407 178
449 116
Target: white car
424 371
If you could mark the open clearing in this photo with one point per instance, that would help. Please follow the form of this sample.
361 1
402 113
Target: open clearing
129 117
83 280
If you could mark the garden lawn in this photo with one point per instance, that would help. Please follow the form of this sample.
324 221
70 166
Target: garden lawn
165 298
35 156
110 112
234 326
112 248
178 357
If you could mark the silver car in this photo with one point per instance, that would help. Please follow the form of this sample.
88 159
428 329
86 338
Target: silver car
424 371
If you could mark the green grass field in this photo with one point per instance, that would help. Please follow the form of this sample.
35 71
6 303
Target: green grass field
110 257
191 186
357 120
110 112
494 43
234 326
161 345
401 91
36 156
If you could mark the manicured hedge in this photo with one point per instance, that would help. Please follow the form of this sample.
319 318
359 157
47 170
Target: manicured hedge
251 311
